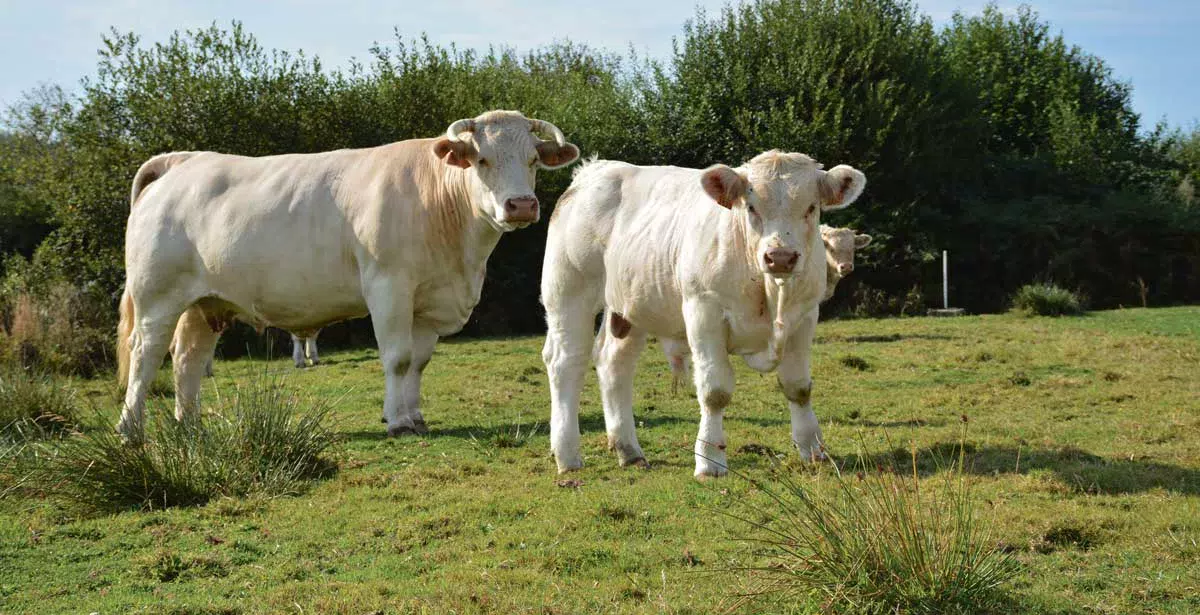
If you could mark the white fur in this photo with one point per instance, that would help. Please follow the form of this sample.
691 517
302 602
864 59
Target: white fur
391 231
653 245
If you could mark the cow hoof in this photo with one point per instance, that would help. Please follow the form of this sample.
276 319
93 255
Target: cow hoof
419 427
395 431
640 462
706 476
569 465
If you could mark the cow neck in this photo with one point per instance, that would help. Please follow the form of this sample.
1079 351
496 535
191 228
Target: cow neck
477 234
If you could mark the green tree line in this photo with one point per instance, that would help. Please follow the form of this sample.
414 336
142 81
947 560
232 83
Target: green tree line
991 137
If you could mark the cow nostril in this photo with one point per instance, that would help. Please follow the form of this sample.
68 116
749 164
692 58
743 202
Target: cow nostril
795 257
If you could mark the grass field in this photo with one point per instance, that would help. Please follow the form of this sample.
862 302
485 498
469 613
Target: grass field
1082 439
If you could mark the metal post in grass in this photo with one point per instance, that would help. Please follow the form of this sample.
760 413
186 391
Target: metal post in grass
946 309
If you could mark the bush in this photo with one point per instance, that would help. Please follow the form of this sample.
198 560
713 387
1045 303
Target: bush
50 325
1046 300
878 542
34 406
261 441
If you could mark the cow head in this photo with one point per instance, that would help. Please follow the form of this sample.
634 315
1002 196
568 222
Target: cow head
840 244
778 199
501 153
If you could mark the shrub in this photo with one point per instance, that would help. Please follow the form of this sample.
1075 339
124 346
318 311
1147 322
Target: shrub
261 441
34 406
880 542
53 326
1046 300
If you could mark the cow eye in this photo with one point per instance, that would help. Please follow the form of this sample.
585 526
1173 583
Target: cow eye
811 209
752 210
483 162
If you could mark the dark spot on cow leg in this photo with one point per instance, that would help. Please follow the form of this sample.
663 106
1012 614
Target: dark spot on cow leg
717 400
800 395
619 326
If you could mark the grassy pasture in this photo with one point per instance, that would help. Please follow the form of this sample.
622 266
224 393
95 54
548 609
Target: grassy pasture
1082 440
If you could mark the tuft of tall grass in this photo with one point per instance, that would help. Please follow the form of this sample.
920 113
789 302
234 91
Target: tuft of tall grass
262 441
1046 300
34 405
876 541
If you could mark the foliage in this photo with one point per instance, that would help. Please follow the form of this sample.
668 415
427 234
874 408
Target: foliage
993 138
48 324
264 440
1046 300
34 406
877 541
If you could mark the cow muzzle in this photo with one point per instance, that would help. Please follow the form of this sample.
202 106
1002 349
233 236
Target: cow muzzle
780 261
521 210
845 268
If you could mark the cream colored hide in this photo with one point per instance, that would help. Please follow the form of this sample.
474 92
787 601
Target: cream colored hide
729 259
840 244
401 232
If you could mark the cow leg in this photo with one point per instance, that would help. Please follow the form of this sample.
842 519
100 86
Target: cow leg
616 361
569 330
714 379
311 348
795 379
423 342
195 342
150 340
390 305
298 351
208 368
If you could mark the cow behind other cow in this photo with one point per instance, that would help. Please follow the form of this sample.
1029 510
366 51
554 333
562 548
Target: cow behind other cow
648 247
840 244
401 232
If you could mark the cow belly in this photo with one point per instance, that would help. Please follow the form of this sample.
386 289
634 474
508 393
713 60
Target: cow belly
446 308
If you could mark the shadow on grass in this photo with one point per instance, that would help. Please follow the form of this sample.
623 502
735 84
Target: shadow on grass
1083 471
588 424
879 339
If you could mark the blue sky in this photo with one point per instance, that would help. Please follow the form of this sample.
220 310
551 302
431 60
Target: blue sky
1154 44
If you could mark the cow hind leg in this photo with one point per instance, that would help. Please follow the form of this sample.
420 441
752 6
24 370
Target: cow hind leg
298 351
310 349
616 361
195 341
149 342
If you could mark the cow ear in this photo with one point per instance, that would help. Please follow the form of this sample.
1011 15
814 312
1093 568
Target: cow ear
841 186
862 241
454 153
554 156
724 185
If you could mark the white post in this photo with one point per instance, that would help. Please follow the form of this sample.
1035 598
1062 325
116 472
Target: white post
945 280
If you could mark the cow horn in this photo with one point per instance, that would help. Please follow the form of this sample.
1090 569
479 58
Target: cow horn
460 126
544 126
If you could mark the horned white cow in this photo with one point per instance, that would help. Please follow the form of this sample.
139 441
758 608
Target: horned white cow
840 244
401 232
729 259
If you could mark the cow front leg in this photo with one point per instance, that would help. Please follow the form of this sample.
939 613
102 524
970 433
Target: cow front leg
616 361
795 379
423 342
390 305
566 353
714 380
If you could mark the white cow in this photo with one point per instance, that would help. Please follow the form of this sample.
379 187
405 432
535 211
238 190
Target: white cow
401 232
729 259
840 244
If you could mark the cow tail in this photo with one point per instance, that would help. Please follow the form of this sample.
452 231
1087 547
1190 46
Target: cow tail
124 335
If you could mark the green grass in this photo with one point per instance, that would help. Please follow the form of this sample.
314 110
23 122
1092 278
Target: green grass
1086 470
